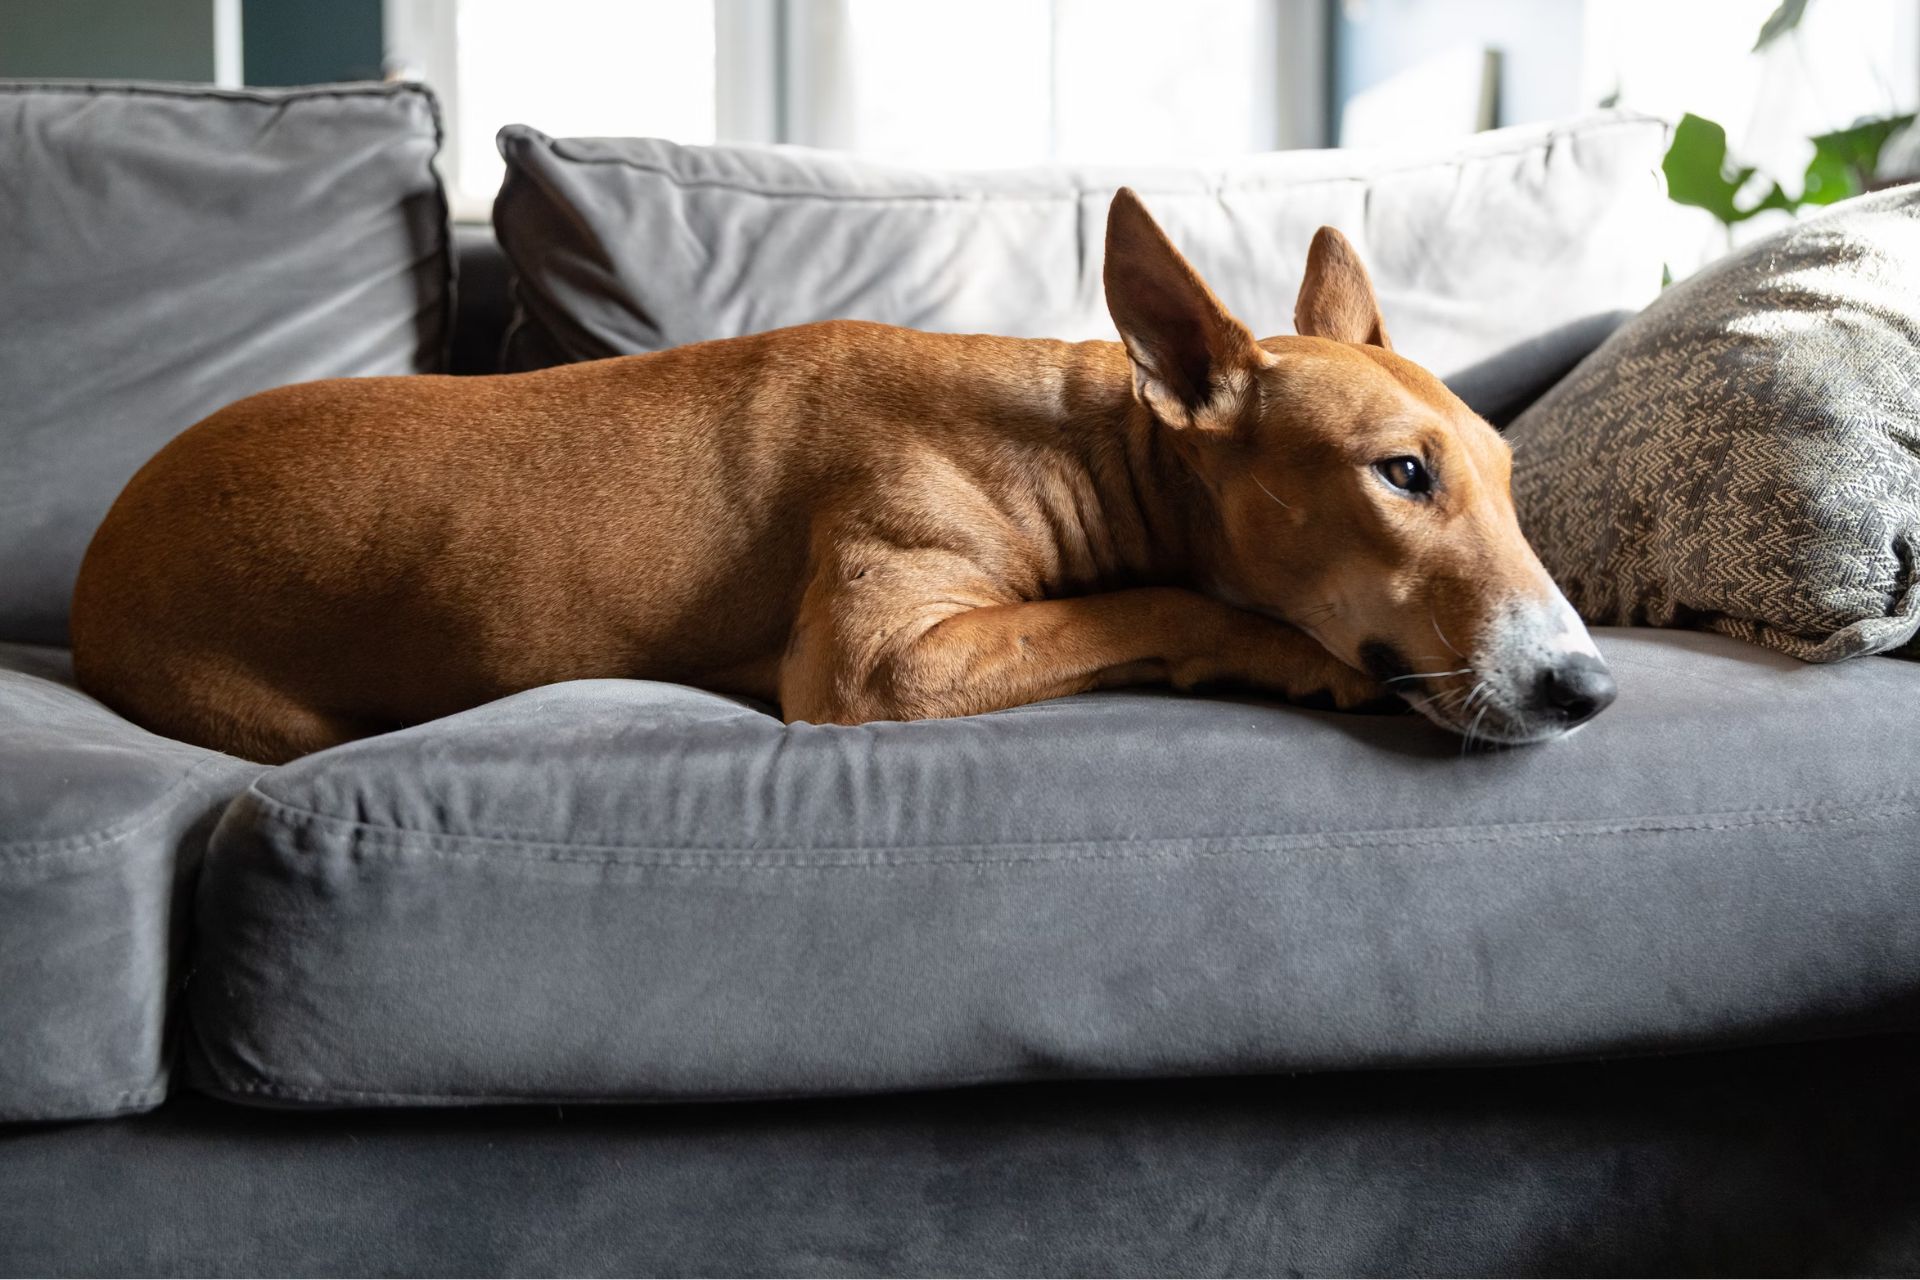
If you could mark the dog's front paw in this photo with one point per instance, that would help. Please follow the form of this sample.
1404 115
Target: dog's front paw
1278 659
1351 691
1356 695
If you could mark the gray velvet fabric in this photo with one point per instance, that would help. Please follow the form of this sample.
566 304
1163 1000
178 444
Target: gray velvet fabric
167 250
1500 260
1765 1162
617 890
101 826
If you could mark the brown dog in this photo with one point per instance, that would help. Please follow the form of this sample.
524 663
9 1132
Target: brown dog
857 521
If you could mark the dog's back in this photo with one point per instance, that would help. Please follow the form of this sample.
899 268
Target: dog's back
382 551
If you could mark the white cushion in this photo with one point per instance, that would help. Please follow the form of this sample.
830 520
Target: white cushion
1499 261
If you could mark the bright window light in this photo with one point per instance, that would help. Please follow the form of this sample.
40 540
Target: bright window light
997 83
1142 82
579 68
1845 61
963 86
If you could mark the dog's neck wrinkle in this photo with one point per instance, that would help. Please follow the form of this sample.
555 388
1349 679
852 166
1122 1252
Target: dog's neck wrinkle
1162 488
1125 516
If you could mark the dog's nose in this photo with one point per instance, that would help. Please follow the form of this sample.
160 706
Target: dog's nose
1575 689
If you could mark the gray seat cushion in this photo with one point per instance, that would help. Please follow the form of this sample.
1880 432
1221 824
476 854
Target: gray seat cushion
167 250
1500 260
101 823
621 890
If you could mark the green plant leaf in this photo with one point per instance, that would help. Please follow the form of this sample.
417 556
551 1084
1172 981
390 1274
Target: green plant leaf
1780 21
1844 162
1697 173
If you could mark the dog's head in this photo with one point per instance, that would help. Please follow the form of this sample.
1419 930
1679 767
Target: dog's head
1354 496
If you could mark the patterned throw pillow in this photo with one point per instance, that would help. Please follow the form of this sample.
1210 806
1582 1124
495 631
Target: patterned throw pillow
1744 455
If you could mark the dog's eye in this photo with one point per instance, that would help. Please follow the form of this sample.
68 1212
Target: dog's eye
1409 475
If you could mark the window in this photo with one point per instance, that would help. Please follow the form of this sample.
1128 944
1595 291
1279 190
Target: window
580 67
988 83
1082 81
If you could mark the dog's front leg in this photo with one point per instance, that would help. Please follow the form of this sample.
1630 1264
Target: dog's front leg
1004 655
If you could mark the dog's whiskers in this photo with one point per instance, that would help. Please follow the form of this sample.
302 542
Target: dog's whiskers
1462 694
1479 691
1428 675
1473 727
1311 617
1453 704
1270 493
1435 620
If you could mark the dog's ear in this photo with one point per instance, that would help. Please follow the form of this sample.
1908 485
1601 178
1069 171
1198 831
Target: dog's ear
1336 299
1192 361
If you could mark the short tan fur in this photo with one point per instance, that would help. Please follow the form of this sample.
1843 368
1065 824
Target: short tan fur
854 521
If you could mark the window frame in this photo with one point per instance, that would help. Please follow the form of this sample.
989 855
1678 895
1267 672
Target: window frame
774 71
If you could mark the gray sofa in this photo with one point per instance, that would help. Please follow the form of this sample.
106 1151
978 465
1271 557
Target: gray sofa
1235 987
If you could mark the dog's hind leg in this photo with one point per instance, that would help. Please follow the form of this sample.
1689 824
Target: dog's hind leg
274 733
237 712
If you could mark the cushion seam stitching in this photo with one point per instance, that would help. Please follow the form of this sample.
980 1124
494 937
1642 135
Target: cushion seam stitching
450 845
26 851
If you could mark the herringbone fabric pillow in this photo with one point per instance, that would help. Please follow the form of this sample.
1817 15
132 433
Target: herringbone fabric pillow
1744 455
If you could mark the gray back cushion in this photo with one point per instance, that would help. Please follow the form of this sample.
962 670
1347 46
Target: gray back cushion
1745 455
168 250
1500 261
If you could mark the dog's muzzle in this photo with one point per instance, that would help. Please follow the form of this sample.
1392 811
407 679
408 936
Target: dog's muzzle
1535 676
1573 690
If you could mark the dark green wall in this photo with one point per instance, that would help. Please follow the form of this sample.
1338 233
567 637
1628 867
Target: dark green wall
284 41
108 39
311 42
